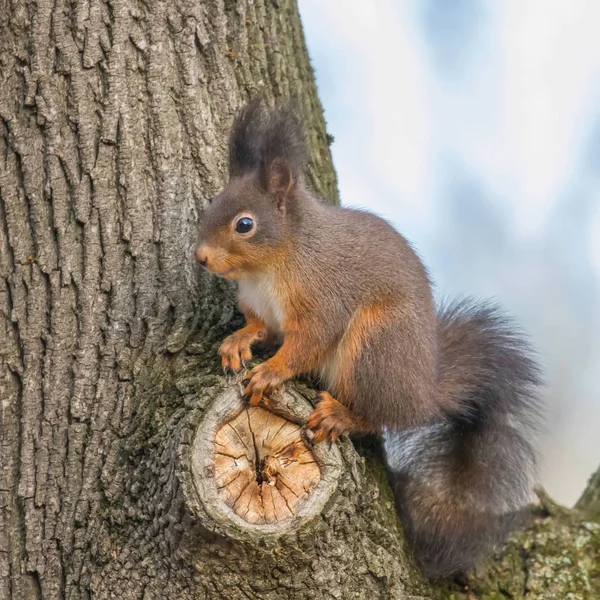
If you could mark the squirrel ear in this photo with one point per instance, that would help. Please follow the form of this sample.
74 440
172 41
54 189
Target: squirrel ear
278 179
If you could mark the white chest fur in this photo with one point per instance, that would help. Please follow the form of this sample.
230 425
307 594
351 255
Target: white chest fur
259 294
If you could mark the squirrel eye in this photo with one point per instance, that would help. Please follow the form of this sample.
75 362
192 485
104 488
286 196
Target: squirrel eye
244 225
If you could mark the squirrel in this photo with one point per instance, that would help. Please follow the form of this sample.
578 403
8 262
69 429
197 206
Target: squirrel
451 392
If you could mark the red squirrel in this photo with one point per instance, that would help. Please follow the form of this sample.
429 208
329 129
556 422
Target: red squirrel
452 392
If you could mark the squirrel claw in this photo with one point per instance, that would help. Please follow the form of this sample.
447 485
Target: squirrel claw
329 419
308 436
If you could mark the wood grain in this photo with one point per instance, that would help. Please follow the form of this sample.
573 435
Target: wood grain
263 469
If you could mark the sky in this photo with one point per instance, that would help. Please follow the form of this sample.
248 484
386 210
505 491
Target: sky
474 127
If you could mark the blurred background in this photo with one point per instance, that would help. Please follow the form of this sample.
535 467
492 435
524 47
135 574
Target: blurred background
474 127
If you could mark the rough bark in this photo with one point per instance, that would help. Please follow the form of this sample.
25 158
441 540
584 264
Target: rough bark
113 116
590 500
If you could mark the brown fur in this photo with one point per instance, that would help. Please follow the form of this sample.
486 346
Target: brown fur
330 289
352 303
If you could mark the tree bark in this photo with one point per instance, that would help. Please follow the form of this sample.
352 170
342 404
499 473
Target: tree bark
590 500
113 121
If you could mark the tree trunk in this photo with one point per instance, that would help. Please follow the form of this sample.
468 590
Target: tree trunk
113 121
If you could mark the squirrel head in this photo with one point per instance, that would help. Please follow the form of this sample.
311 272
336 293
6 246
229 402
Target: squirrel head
249 222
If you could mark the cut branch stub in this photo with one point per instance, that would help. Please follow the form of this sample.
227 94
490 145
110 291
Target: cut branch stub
263 469
252 475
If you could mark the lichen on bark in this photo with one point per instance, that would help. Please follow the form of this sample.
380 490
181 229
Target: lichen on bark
589 502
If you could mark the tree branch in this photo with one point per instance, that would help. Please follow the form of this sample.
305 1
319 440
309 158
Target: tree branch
248 474
590 499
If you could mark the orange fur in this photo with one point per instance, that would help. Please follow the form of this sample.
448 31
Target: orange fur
297 355
235 350
364 323
330 419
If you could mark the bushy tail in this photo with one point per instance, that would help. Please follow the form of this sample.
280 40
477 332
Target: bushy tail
462 484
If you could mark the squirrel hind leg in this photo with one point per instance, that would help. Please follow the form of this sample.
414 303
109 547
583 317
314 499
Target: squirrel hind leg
331 418
386 369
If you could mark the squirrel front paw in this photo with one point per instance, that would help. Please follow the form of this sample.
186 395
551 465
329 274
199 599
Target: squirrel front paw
262 380
235 349
328 420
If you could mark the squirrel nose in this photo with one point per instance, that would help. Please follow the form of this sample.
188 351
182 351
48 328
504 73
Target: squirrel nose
201 256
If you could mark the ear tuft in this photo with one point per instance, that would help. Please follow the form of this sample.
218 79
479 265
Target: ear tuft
283 138
245 138
270 142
